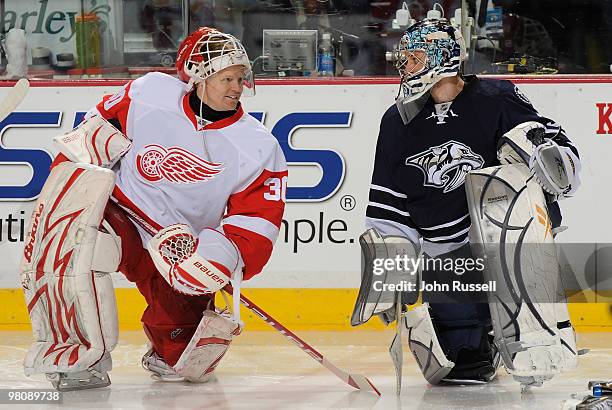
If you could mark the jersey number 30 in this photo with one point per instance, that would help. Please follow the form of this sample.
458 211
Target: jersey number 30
277 189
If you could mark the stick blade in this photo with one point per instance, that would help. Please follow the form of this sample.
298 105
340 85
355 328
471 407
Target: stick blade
397 357
357 381
361 382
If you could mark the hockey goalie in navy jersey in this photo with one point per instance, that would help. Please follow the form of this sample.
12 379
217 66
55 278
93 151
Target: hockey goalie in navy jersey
172 183
444 128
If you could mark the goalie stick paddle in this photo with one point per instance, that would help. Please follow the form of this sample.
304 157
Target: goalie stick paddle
357 381
14 97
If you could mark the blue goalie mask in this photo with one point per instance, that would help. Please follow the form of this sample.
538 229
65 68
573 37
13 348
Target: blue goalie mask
430 50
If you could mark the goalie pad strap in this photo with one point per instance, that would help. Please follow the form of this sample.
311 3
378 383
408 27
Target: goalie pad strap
71 306
207 347
94 141
511 231
107 251
380 281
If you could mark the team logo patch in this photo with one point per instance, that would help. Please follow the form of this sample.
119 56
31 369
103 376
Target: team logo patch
442 116
446 165
522 96
175 333
175 165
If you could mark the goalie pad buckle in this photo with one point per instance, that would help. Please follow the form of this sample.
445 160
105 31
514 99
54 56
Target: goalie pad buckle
382 276
68 291
511 231
207 347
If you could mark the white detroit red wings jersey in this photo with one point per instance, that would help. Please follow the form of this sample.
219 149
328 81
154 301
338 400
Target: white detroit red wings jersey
227 180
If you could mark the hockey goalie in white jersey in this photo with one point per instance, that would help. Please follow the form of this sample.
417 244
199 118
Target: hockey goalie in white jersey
449 134
170 182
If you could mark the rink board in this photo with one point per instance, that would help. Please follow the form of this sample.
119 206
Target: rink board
298 309
329 130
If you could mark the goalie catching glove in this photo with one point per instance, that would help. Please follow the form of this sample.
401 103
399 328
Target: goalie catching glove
555 167
173 251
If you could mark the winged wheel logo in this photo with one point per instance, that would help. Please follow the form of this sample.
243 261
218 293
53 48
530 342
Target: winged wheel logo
174 164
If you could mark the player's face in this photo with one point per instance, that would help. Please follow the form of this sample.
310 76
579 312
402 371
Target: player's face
415 62
223 89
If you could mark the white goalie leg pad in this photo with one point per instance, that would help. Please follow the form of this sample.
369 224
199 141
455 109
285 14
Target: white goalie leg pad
94 141
382 276
424 345
65 273
173 250
511 230
207 347
567 333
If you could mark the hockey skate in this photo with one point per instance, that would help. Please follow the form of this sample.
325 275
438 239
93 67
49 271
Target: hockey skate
92 378
476 372
158 368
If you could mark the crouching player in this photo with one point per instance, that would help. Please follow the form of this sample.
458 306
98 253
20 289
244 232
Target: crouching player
449 134
172 183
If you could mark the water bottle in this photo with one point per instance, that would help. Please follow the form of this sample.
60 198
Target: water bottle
87 28
326 57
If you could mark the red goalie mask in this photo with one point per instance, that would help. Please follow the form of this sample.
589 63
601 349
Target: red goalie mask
207 51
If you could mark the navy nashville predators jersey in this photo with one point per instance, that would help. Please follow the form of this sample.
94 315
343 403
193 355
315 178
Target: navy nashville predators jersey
417 186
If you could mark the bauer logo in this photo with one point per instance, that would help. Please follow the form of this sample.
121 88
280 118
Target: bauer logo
29 248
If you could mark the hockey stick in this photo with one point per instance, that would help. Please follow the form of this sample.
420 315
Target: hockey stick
396 349
14 97
357 381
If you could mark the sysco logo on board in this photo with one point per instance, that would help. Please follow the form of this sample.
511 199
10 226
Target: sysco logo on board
331 162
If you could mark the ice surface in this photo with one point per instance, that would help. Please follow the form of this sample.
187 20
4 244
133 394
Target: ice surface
264 371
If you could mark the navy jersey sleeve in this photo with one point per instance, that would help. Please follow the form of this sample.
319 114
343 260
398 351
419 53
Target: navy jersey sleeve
386 211
516 109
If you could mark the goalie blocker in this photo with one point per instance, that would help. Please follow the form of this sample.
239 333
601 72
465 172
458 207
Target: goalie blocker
388 305
387 264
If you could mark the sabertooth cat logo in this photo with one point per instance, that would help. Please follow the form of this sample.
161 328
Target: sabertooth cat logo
446 165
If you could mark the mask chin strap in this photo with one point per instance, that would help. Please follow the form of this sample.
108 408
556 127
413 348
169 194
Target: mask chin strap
190 84
190 87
